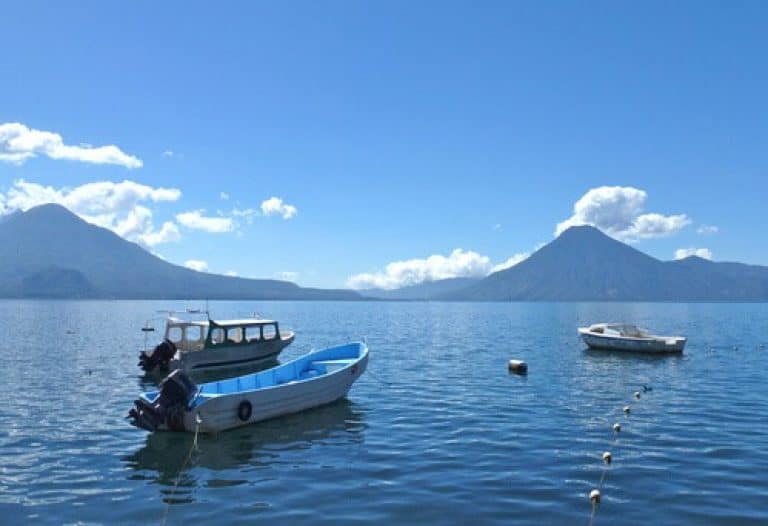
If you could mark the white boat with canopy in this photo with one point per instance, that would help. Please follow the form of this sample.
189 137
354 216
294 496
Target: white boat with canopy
627 337
204 345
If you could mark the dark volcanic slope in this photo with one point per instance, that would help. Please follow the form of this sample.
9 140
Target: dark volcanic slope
49 251
584 264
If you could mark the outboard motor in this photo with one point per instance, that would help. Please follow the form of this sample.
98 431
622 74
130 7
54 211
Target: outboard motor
176 393
160 356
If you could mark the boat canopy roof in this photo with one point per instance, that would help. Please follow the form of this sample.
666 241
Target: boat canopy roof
247 322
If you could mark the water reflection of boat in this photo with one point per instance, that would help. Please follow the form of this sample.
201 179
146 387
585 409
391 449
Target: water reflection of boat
164 453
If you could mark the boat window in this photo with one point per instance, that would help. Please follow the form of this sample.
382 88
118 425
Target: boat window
174 334
194 333
235 334
269 332
217 335
252 333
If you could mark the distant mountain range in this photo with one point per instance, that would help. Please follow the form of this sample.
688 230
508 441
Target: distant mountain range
49 252
583 264
428 290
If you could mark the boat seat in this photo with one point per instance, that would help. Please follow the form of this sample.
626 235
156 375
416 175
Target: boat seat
340 363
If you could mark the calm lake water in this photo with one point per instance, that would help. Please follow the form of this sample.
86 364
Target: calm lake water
436 432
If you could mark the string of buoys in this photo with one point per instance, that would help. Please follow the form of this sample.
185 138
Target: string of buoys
596 495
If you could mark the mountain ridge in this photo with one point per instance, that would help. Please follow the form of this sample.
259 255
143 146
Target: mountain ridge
108 266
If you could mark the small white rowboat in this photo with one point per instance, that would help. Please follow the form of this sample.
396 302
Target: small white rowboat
318 378
625 337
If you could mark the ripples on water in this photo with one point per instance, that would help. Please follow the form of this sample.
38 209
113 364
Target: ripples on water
437 432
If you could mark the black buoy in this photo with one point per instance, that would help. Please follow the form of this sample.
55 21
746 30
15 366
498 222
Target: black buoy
517 367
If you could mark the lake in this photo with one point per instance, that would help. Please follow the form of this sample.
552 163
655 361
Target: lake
436 432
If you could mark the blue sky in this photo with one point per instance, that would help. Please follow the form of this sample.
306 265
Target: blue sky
397 130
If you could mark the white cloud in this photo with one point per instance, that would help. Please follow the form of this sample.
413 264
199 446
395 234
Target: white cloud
707 229
246 213
682 253
18 143
288 275
224 196
231 273
197 221
168 153
618 211
116 206
398 274
511 262
196 264
168 232
276 206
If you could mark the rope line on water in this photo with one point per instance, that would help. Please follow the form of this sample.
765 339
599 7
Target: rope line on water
181 472
596 494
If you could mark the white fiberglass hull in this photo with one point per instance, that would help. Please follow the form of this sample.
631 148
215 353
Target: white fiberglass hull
221 413
651 344
226 357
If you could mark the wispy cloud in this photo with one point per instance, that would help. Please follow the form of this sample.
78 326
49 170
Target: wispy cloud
707 230
682 253
120 207
618 211
510 262
276 206
196 264
196 220
19 143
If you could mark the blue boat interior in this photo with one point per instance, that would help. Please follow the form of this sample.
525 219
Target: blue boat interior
312 365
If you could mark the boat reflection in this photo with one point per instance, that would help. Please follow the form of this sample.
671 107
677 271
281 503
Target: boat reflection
255 445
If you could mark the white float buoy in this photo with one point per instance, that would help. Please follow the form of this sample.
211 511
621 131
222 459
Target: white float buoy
518 367
594 496
607 457
627 409
616 428
637 395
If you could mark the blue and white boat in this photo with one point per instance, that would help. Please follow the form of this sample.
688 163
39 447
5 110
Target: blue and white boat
626 337
315 379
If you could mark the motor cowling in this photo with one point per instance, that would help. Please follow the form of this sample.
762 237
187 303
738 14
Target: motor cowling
159 357
176 393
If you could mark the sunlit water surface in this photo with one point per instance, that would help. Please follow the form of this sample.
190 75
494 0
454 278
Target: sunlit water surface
436 432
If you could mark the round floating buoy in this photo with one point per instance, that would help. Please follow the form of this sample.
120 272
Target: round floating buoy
627 409
244 410
518 367
594 496
607 457
616 428
637 395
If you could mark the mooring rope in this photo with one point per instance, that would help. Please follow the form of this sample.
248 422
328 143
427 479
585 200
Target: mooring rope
596 494
181 472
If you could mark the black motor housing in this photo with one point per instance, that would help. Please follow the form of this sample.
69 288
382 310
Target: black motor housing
176 392
160 356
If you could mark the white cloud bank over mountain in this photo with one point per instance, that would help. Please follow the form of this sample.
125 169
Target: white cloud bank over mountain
618 211
458 264
682 253
197 264
19 143
119 207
